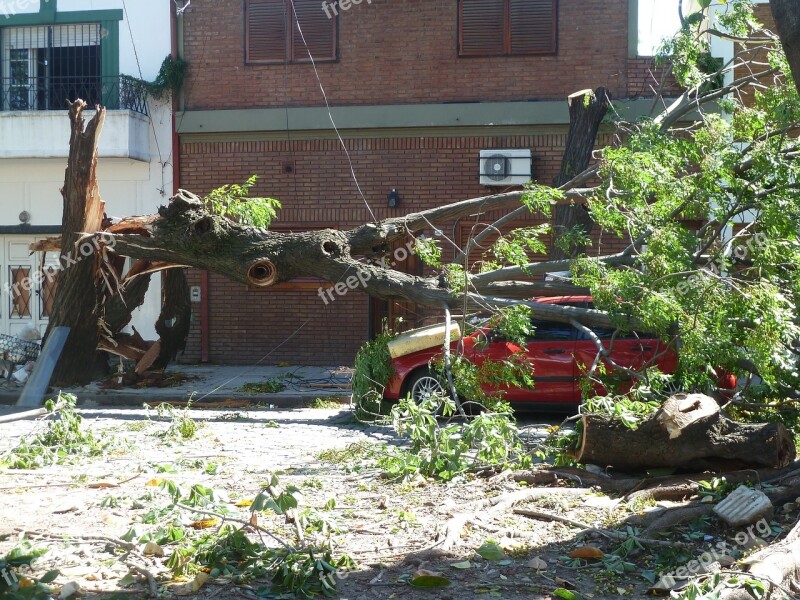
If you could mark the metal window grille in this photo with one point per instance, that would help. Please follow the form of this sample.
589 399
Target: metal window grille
20 293
47 293
43 67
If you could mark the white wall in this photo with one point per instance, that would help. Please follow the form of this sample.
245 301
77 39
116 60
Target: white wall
128 186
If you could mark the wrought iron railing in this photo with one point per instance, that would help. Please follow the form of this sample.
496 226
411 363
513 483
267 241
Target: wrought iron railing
52 93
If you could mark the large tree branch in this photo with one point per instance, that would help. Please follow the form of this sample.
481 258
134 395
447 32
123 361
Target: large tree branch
541 268
184 233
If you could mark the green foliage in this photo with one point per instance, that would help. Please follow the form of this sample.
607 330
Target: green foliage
457 278
18 585
514 324
372 370
711 586
64 439
169 80
225 544
630 412
272 385
448 450
472 381
181 424
559 446
518 245
429 251
540 198
234 202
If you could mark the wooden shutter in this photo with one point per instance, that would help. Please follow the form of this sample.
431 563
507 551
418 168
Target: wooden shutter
266 30
533 26
318 29
482 28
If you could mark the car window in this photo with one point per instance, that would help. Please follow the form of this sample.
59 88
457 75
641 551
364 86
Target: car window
550 330
604 333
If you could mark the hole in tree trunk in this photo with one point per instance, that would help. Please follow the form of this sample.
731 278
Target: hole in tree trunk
204 225
262 273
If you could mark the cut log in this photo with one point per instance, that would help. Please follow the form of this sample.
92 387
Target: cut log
688 431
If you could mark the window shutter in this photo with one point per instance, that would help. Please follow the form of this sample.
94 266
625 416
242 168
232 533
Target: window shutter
483 30
318 29
533 26
266 31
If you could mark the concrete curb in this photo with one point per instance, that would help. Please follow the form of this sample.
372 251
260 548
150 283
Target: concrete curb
135 399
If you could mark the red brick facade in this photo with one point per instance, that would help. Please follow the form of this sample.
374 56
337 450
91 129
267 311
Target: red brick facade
403 52
390 52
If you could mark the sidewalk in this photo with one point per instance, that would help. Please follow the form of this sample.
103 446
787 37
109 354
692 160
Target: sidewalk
220 385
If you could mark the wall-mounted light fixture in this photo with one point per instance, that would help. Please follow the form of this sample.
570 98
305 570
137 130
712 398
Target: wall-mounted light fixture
393 199
24 217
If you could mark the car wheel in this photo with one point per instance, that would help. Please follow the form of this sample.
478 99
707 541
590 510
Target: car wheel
422 385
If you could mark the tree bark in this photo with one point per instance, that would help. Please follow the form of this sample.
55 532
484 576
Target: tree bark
79 294
587 109
787 22
184 233
778 563
176 314
688 431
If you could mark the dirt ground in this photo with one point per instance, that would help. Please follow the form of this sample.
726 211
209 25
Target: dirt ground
390 530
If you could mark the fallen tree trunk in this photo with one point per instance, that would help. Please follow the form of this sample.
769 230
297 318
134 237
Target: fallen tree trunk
185 233
688 431
778 563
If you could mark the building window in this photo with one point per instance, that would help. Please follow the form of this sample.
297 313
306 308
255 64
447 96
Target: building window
273 36
507 27
45 66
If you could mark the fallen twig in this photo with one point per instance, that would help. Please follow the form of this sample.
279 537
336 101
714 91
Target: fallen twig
607 533
151 580
217 515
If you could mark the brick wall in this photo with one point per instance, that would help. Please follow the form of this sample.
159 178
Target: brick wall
644 77
403 51
245 325
763 14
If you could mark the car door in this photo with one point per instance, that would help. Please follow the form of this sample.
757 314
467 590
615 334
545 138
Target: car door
630 350
549 354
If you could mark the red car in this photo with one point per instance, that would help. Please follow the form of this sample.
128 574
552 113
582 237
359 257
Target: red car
555 352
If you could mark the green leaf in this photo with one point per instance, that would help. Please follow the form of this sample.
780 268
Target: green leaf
491 551
462 565
566 594
49 577
430 581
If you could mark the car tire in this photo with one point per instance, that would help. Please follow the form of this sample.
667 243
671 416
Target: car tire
423 380
422 384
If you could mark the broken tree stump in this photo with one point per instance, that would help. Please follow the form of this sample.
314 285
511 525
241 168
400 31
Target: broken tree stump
688 430
80 286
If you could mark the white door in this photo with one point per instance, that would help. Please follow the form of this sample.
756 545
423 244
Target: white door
27 283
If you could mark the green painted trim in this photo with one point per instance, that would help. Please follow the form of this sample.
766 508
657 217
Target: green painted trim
48 7
109 60
403 116
633 28
378 133
62 18
109 42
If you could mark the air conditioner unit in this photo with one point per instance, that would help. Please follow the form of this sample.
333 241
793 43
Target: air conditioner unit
505 167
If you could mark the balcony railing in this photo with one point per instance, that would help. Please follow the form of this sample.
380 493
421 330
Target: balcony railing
52 93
